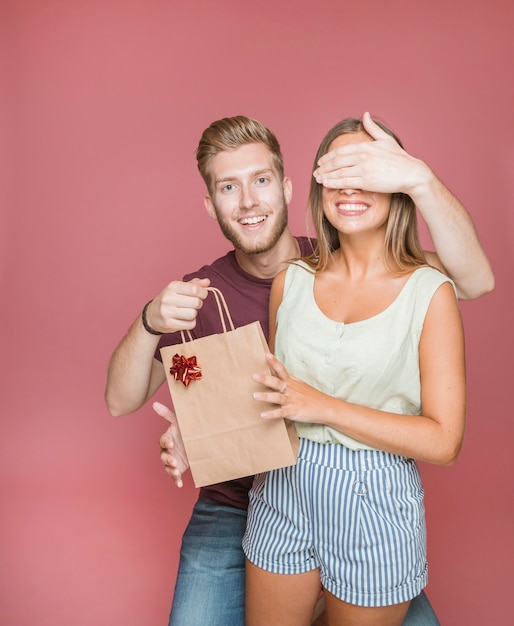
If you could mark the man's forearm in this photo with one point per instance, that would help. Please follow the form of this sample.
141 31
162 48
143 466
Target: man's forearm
133 374
454 237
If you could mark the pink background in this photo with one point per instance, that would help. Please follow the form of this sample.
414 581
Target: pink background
102 107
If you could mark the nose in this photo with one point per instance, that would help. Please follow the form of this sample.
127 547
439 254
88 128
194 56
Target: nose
349 192
248 198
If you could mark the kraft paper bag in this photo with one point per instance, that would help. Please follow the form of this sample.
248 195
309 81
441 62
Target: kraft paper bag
211 386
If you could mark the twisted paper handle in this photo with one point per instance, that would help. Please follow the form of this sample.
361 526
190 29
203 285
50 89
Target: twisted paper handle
225 317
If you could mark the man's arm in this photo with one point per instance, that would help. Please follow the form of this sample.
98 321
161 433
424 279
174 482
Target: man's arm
134 375
458 250
383 166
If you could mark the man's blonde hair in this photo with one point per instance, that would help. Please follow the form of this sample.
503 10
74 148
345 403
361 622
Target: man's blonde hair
231 133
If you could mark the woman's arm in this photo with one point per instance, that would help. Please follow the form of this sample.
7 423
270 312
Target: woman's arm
276 294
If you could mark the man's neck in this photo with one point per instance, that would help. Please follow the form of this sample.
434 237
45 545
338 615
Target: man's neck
268 264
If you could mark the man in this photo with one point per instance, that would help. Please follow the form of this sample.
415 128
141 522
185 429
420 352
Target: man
248 194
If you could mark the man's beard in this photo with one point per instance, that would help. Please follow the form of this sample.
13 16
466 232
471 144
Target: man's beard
260 244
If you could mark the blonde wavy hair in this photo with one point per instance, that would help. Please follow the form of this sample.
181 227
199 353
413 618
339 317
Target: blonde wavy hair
230 133
402 247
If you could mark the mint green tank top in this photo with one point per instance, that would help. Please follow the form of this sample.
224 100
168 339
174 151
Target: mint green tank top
373 362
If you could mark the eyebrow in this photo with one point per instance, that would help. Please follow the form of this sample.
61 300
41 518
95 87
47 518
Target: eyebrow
227 179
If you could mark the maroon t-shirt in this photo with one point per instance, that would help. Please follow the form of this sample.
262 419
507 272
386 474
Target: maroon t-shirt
247 298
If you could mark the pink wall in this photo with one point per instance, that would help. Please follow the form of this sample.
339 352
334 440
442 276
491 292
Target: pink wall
103 104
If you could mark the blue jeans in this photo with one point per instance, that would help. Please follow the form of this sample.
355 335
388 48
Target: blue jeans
210 587
211 578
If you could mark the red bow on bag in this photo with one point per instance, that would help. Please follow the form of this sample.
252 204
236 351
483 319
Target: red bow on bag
185 369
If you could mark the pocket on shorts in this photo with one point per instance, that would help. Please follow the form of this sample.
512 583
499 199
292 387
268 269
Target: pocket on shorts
395 499
409 502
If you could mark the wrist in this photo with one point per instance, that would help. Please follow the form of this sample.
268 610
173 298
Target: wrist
422 184
146 325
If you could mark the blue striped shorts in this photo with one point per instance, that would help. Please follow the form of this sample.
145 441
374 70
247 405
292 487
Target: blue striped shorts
358 516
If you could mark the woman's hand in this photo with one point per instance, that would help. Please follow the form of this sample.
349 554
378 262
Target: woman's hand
297 400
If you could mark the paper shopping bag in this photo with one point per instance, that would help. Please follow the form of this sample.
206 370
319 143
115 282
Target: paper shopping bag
211 386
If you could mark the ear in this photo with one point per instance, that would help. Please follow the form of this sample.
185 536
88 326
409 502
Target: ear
287 185
209 207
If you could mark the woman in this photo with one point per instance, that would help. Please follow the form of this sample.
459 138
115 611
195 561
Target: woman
370 365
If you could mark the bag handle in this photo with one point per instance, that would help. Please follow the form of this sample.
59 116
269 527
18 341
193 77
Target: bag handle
222 310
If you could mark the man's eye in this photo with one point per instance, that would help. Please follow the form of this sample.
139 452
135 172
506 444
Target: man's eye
227 187
262 180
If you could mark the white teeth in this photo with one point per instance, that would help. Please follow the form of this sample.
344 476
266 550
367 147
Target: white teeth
252 220
352 207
